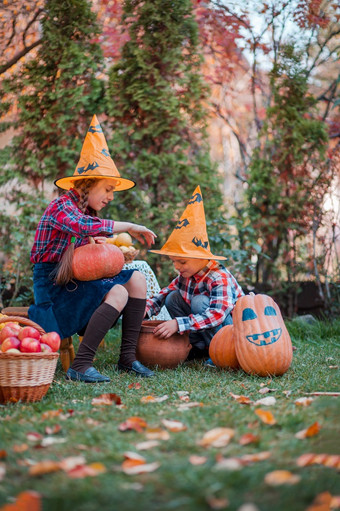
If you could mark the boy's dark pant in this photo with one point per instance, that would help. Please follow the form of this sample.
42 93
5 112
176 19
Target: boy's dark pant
177 307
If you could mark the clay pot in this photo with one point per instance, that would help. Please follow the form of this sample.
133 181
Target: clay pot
165 353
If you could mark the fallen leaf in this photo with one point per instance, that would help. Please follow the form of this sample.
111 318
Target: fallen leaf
149 444
229 464
186 406
153 399
71 462
51 440
81 471
243 400
322 502
132 459
266 401
20 447
278 477
157 434
303 401
287 392
133 423
197 460
3 454
106 399
183 395
25 501
328 460
215 503
173 425
2 471
311 431
265 390
50 414
333 367
92 422
248 438
265 416
254 458
32 436
134 385
217 437
141 469
44 467
53 430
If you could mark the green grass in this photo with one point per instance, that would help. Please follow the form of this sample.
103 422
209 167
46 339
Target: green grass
176 484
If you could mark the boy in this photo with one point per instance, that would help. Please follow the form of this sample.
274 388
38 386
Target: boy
201 298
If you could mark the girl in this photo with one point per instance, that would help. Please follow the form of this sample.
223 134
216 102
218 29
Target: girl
91 308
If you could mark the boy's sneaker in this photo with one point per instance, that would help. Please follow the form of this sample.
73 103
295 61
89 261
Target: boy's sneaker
209 363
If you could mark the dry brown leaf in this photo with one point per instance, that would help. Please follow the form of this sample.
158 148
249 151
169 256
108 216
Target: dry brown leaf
33 436
217 437
106 400
303 401
278 477
133 423
254 458
91 470
265 390
197 460
153 399
44 467
132 459
266 401
186 406
20 447
92 422
173 425
328 460
53 430
322 502
248 438
134 385
3 454
149 444
141 469
50 414
25 501
311 431
265 416
229 464
183 395
215 503
157 434
72 462
243 400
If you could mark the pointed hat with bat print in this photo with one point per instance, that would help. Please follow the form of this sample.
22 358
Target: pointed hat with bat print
189 239
95 162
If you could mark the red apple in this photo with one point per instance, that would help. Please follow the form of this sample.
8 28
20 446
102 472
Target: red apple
30 345
29 331
45 348
9 343
52 339
10 330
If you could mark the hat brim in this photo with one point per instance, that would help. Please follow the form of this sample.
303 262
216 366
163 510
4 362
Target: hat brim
188 255
120 183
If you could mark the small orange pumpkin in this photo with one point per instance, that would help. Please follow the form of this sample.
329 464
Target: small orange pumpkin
97 261
263 344
222 348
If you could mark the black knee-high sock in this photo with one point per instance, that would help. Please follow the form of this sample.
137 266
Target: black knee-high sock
133 315
100 322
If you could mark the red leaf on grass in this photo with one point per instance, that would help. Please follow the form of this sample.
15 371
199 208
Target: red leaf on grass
106 399
133 423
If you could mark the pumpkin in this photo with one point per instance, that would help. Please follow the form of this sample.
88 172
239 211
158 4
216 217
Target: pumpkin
97 261
263 344
222 348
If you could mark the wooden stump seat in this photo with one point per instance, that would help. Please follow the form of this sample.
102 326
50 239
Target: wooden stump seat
66 346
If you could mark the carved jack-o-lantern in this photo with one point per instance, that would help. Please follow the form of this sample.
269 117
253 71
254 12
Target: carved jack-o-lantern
263 344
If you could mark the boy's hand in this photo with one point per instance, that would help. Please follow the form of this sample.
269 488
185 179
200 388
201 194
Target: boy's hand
166 329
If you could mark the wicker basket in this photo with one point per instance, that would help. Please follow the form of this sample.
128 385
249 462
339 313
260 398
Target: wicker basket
25 376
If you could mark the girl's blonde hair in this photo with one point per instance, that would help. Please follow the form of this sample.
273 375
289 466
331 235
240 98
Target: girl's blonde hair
64 271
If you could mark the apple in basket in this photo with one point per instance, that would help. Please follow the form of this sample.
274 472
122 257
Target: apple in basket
29 331
52 339
10 330
30 345
10 343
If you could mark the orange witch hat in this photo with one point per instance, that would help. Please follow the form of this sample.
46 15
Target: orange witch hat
189 239
95 162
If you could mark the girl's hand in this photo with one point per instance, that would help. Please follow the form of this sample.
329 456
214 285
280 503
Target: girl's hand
99 239
166 329
142 234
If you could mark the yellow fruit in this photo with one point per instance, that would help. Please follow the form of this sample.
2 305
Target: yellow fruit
124 239
112 240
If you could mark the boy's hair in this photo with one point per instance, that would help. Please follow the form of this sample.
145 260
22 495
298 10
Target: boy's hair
64 271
